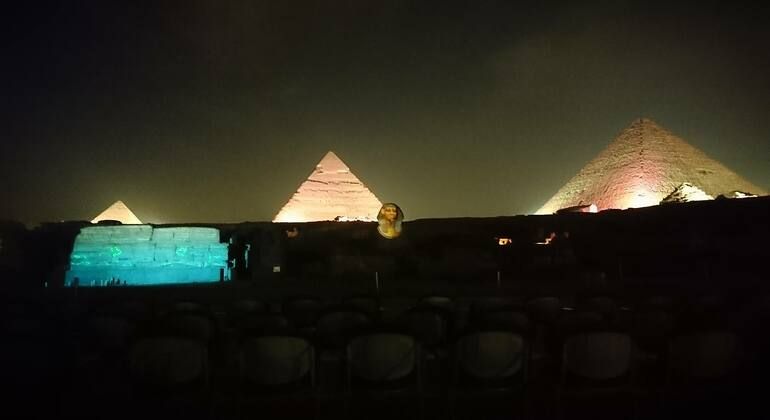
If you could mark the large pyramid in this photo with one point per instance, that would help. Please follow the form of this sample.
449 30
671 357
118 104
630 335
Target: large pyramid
331 192
120 212
641 167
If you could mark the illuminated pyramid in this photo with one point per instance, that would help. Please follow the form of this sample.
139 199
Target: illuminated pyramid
331 192
120 212
641 167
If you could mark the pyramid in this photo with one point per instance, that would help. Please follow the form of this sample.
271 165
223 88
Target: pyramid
641 167
120 212
331 192
686 193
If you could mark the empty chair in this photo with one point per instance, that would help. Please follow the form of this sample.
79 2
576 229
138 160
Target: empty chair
658 302
597 364
443 302
189 325
302 311
392 309
571 321
382 366
652 329
335 325
188 307
431 327
31 355
505 319
110 333
277 377
169 376
544 310
488 364
370 305
428 324
704 355
492 303
604 305
242 307
164 362
481 306
704 367
544 313
263 323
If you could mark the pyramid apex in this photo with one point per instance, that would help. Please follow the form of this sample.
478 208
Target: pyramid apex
118 211
331 163
644 122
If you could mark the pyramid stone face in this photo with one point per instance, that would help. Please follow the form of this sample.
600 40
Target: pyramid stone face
331 192
641 167
120 212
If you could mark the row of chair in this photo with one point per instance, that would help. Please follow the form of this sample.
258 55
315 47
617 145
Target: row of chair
429 351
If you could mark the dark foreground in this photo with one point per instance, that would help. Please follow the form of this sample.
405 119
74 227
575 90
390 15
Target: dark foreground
650 313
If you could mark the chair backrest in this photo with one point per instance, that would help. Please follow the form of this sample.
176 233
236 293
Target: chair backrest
246 306
302 311
429 325
166 362
572 321
704 354
189 325
598 355
277 360
367 304
335 326
188 307
491 354
110 332
494 303
661 302
654 323
443 302
382 357
512 319
544 309
263 323
604 305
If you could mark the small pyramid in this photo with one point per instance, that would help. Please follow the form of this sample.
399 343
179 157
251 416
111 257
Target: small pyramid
120 212
685 193
642 166
331 192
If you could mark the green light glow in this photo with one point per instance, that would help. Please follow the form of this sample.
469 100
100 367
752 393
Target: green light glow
115 252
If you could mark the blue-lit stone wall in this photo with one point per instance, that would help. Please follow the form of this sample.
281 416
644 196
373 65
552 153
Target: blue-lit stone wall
143 255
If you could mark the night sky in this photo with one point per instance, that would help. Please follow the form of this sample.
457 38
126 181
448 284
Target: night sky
196 111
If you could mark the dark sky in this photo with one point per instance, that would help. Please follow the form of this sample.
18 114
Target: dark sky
196 111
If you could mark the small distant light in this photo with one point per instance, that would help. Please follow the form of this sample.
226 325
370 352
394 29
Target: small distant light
504 241
276 269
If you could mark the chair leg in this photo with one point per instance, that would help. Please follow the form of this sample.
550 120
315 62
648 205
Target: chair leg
558 406
421 402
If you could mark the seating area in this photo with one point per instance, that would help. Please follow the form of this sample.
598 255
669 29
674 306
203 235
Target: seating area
646 313
374 356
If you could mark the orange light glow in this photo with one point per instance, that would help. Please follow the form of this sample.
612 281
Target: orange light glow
641 199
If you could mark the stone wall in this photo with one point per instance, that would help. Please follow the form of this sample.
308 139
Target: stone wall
145 255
